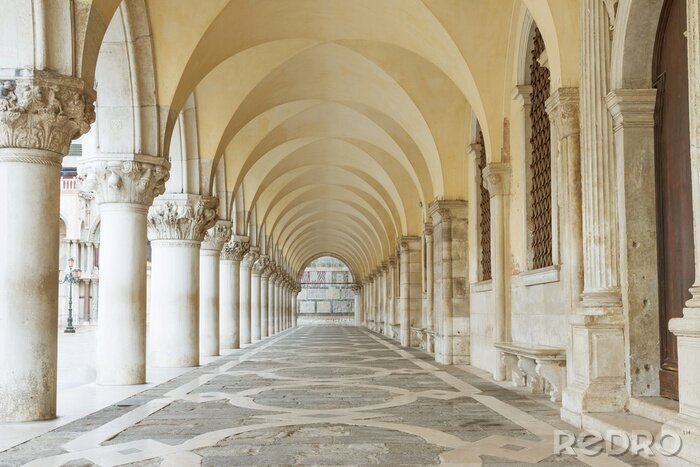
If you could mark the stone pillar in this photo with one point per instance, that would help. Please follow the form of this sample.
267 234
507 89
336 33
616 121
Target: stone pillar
209 283
496 178
393 296
176 227
264 265
278 304
295 305
271 300
597 373
40 113
357 304
124 190
255 309
410 287
229 299
384 293
687 328
428 302
451 298
245 305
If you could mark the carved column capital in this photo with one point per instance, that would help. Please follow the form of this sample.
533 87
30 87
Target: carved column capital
428 229
217 236
392 261
563 111
496 177
43 110
181 217
127 181
234 250
261 266
250 257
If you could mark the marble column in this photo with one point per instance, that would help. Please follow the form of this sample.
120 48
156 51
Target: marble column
271 300
245 307
410 296
357 304
295 301
40 113
209 283
393 296
278 304
123 190
264 264
449 220
255 302
229 298
384 293
428 304
597 377
496 178
176 227
687 328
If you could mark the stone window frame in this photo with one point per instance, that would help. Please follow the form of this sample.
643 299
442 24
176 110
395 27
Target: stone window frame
478 284
521 97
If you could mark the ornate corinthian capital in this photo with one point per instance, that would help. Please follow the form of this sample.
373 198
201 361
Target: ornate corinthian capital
250 258
234 250
124 181
181 218
43 110
262 266
217 236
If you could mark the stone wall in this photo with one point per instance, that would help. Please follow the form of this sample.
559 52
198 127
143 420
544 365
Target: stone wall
326 288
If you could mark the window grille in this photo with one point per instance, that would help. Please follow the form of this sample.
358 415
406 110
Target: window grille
540 166
485 216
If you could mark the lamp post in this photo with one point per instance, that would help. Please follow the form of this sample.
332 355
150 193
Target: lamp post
72 277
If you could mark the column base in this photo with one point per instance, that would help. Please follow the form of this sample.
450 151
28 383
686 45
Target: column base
452 350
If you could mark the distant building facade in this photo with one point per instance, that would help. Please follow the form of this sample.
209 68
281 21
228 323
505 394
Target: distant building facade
326 288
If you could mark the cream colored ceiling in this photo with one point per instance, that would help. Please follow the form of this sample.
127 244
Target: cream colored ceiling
339 121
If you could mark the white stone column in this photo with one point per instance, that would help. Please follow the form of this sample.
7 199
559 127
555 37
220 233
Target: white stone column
271 300
229 299
245 290
409 284
176 227
209 283
496 178
295 306
597 379
255 302
264 264
384 297
428 304
40 113
451 291
278 304
392 296
687 328
124 190
357 304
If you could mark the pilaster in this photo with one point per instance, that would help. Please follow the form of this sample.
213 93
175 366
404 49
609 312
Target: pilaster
496 178
449 220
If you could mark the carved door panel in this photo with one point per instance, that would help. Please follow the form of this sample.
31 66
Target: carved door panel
673 182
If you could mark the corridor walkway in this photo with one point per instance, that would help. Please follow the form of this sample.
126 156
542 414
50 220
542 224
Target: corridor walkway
314 395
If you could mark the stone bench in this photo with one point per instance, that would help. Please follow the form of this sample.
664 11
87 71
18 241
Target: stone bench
539 367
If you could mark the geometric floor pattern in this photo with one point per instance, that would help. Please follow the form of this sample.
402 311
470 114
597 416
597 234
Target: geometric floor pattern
314 395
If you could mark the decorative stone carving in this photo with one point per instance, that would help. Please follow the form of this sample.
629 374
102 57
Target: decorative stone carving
217 236
262 266
181 218
563 110
234 250
125 181
250 258
496 177
43 110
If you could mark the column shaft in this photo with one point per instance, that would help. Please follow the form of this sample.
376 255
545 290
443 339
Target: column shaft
255 306
209 303
174 326
229 334
264 311
245 326
29 213
121 329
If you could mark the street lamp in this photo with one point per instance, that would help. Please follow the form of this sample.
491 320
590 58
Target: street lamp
72 277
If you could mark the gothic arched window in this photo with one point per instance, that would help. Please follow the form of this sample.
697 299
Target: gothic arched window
540 163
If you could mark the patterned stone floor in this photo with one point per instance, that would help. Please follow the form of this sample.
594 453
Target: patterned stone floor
315 395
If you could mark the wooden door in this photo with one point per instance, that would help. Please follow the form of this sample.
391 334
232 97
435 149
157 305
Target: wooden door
673 182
